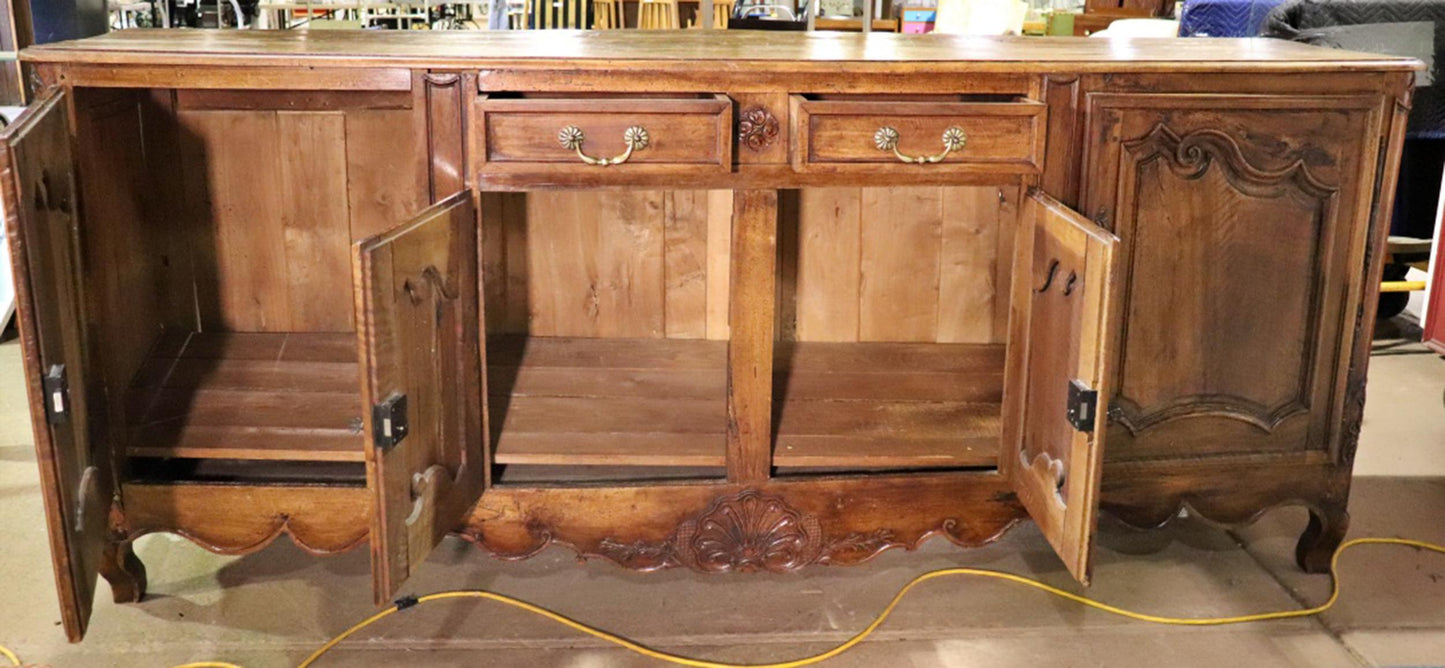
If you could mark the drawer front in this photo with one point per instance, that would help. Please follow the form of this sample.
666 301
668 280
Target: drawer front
887 136
565 134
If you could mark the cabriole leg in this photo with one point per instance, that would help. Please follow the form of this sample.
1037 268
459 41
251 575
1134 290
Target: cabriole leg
1321 538
124 571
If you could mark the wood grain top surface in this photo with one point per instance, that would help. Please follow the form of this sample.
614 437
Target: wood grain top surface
730 50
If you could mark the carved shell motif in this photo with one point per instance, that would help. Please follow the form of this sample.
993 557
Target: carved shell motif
753 531
749 532
757 128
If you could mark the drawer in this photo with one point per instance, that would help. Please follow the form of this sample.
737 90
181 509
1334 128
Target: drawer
881 134
587 133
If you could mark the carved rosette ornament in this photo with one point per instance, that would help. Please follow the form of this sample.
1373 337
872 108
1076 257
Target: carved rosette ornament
757 128
747 532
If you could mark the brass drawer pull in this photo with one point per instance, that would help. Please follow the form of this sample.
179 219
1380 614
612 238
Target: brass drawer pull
571 138
886 139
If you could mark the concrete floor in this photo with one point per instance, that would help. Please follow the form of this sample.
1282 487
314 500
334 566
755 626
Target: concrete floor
274 607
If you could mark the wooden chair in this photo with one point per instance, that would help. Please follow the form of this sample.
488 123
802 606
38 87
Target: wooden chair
658 15
558 14
607 15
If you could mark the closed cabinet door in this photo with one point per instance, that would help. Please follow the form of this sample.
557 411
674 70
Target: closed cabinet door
420 336
1242 242
37 186
1056 373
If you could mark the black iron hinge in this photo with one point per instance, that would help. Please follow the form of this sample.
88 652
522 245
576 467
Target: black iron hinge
57 395
1083 405
388 421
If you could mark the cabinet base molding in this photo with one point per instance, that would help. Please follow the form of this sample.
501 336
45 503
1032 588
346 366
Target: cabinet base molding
241 519
778 526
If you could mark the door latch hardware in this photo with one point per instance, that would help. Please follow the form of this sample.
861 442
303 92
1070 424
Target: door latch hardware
1083 404
388 421
57 395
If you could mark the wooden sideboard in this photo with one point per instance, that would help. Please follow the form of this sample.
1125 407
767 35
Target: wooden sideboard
719 300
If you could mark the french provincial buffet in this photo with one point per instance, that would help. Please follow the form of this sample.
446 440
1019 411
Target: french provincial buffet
716 300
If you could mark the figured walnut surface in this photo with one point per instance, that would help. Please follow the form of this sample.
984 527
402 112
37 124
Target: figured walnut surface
731 50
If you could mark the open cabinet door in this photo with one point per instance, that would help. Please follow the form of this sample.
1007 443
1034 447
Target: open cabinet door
37 184
1053 444
420 335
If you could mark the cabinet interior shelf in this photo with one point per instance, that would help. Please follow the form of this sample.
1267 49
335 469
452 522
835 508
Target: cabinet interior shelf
608 402
662 402
582 402
248 396
887 405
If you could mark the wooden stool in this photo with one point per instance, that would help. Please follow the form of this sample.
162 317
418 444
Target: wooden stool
607 14
657 15
557 14
516 15
721 10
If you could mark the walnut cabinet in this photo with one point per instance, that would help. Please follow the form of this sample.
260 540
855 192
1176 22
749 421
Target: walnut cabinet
723 301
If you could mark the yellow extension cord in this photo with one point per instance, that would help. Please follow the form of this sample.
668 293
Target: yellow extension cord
851 642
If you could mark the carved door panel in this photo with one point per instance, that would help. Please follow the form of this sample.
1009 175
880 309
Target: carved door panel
42 224
420 335
1241 262
1064 270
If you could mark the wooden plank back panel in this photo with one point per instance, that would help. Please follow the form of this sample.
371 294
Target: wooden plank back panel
628 264
315 218
828 262
898 284
503 220
719 258
168 210
921 264
974 270
273 199
234 205
685 239
382 190
596 263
